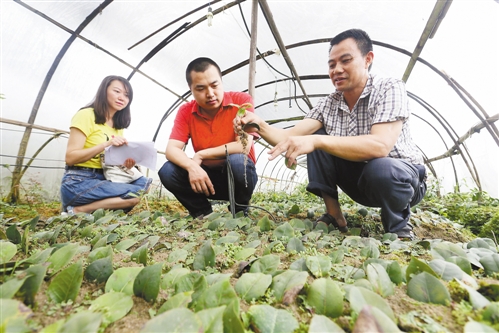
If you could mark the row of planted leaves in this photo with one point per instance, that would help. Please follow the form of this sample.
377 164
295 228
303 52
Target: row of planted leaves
235 274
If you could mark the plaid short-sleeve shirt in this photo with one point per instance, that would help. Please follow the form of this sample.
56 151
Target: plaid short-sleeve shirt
383 100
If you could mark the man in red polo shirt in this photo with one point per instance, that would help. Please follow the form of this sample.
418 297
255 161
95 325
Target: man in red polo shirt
207 121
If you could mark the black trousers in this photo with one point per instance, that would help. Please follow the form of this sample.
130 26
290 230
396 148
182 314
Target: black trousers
392 184
176 180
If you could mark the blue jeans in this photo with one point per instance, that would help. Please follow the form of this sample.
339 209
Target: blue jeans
81 187
176 180
392 184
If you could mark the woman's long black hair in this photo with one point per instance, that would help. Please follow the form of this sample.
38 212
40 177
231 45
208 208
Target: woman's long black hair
122 118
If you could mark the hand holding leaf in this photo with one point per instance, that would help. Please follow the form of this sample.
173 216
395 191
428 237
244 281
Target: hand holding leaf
241 112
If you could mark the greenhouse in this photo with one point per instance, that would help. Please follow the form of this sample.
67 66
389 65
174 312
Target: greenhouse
275 267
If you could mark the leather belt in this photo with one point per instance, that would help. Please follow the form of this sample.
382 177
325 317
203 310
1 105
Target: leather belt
83 169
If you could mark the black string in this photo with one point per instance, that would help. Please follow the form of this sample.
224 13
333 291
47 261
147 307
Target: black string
232 199
230 180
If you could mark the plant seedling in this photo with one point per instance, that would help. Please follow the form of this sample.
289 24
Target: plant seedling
243 136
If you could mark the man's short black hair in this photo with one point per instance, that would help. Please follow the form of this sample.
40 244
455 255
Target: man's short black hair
364 42
199 65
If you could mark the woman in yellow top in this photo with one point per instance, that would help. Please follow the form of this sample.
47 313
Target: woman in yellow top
93 128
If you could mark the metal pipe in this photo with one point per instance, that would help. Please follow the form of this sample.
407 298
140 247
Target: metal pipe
430 29
273 27
252 55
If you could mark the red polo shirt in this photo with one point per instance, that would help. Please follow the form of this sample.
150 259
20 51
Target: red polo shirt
206 133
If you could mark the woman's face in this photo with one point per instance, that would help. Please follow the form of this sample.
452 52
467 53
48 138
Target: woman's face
117 96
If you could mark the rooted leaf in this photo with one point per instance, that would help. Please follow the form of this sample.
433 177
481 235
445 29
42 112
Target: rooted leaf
122 280
100 270
294 210
192 281
267 264
445 250
140 255
66 285
113 305
325 297
30 287
319 265
284 232
180 300
170 278
146 284
40 256
271 320
9 288
7 251
490 263
360 297
125 244
299 265
426 288
288 281
99 253
474 326
13 234
85 321
217 277
380 280
486 243
175 320
178 255
252 285
395 273
477 300
220 293
321 324
337 256
491 313
212 319
295 245
232 319
244 253
62 257
205 257
264 223
463 263
374 320
446 270
417 266
13 316
370 251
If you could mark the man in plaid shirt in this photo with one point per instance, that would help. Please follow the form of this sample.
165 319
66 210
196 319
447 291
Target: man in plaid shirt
357 139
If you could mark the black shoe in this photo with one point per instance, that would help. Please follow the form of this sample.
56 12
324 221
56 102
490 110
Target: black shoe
201 216
406 233
407 236
330 220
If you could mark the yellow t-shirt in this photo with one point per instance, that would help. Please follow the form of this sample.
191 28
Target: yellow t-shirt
84 120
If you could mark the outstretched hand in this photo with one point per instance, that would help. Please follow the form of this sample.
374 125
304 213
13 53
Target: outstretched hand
293 147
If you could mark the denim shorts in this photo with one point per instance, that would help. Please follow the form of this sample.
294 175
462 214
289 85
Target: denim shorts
81 187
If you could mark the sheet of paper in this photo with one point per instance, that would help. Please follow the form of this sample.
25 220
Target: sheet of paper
143 153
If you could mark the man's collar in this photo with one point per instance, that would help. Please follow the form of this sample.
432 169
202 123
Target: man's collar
338 95
369 86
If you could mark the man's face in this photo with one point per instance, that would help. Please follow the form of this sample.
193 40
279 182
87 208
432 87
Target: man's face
207 88
348 69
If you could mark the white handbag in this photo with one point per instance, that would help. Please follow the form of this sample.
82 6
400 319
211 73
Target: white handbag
119 173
